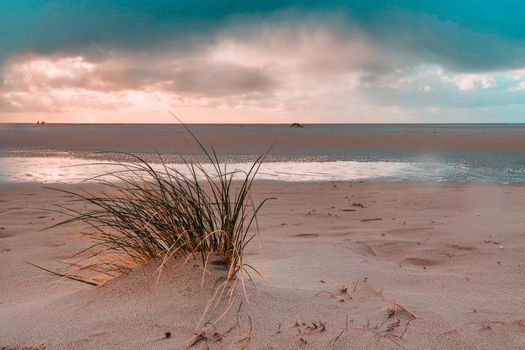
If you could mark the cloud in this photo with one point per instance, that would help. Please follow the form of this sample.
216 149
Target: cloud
346 61
459 37
426 39
468 81
457 97
519 87
285 66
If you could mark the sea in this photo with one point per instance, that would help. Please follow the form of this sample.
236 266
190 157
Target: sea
77 153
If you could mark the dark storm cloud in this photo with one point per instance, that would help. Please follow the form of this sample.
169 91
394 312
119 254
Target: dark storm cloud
428 39
487 35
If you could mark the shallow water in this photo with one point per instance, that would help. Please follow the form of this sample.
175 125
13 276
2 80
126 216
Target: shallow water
69 153
76 170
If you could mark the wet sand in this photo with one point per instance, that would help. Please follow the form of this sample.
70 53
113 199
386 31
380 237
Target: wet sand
254 139
348 266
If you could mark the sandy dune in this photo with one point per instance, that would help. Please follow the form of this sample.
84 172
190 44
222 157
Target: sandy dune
378 266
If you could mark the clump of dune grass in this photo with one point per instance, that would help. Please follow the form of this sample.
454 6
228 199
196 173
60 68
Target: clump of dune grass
155 211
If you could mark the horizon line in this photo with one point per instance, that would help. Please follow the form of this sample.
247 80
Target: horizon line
288 124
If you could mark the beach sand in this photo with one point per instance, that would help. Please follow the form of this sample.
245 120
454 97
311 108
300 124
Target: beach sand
347 266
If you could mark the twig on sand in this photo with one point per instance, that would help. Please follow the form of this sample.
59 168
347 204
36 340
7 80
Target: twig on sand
344 331
394 311
324 291
248 336
395 304
406 328
304 329
395 342
307 328
218 337
372 219
197 339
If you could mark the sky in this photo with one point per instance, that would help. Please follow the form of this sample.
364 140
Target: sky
331 61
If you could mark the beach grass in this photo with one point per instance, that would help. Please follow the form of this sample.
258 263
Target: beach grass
150 211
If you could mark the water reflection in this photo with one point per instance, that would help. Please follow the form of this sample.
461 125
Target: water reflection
71 170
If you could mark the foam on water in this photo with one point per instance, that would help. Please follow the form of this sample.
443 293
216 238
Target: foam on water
75 170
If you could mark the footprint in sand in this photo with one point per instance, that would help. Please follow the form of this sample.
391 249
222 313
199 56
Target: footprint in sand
415 231
364 249
420 261
463 248
4 234
307 235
